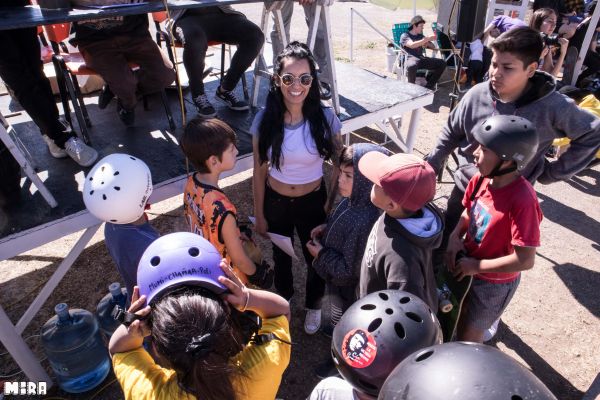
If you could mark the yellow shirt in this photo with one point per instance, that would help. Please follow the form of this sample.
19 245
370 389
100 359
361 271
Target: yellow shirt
141 378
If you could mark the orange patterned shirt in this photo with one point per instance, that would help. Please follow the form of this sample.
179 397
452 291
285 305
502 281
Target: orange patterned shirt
205 208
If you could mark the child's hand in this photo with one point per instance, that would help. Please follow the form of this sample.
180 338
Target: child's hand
239 292
466 266
455 245
314 247
317 231
138 327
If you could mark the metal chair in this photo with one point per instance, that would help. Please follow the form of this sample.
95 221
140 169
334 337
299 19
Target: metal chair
68 66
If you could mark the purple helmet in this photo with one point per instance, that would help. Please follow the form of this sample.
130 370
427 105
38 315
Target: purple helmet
179 259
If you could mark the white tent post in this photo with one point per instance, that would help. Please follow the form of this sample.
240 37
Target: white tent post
585 45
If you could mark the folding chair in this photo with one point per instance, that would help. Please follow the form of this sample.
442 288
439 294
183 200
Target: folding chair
68 66
400 63
163 36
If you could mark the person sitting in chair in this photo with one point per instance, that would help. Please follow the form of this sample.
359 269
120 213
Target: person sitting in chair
414 43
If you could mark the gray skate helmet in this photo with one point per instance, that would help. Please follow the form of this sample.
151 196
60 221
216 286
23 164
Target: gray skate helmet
377 332
465 371
512 138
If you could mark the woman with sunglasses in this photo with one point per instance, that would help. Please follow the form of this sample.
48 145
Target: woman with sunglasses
544 21
292 137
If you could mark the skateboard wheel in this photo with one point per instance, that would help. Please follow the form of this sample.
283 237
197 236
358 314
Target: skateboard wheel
446 306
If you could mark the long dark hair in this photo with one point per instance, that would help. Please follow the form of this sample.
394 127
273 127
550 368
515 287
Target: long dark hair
271 127
194 334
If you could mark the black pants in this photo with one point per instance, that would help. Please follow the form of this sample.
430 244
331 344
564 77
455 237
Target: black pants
475 71
284 215
436 66
199 26
22 70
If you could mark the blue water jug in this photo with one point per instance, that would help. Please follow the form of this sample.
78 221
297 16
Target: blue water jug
117 296
73 344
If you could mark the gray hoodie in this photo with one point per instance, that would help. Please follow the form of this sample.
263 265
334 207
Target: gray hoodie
398 255
553 114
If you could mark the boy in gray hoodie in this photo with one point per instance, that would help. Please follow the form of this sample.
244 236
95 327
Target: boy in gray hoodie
400 246
516 88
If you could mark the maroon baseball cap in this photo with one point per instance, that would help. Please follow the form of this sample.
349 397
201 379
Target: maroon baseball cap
405 178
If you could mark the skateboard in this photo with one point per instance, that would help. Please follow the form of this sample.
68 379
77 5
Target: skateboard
451 294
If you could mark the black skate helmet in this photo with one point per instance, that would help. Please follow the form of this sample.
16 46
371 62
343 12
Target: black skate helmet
465 371
377 332
512 138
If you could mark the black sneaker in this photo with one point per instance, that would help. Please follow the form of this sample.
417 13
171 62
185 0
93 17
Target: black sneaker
230 99
325 91
127 116
105 96
205 109
326 369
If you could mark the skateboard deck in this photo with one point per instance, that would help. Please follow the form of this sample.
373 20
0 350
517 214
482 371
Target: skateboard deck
451 294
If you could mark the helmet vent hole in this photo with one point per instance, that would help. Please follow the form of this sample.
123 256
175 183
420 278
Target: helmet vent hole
513 120
103 197
414 317
193 251
516 397
102 169
374 324
102 183
404 300
368 385
488 127
91 178
117 188
383 296
368 307
424 356
389 311
116 173
113 220
91 192
133 158
400 330
154 261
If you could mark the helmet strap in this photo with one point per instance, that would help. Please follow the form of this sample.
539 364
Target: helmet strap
497 171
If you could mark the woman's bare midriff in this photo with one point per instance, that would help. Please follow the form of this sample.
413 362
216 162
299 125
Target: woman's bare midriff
286 189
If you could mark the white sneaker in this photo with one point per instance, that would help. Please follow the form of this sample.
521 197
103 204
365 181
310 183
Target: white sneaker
312 322
489 333
56 151
80 152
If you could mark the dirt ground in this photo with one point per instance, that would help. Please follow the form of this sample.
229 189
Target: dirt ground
552 325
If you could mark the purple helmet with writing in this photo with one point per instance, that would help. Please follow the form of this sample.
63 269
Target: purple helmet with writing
178 259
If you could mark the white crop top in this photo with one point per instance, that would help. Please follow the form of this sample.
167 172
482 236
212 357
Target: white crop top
300 160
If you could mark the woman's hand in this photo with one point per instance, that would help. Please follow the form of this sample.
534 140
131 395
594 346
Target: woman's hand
317 231
564 45
261 226
239 293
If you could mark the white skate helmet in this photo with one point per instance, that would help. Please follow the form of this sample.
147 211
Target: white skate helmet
117 188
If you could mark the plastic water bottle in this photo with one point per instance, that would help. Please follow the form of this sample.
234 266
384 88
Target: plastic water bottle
72 342
116 296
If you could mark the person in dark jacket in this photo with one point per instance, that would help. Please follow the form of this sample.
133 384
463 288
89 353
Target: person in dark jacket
399 250
339 244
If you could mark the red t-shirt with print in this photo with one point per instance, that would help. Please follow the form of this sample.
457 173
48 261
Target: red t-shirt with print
500 219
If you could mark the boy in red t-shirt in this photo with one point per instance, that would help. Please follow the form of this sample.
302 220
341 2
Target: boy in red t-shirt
501 222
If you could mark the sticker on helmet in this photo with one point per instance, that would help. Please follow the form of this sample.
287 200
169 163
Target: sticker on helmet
359 348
